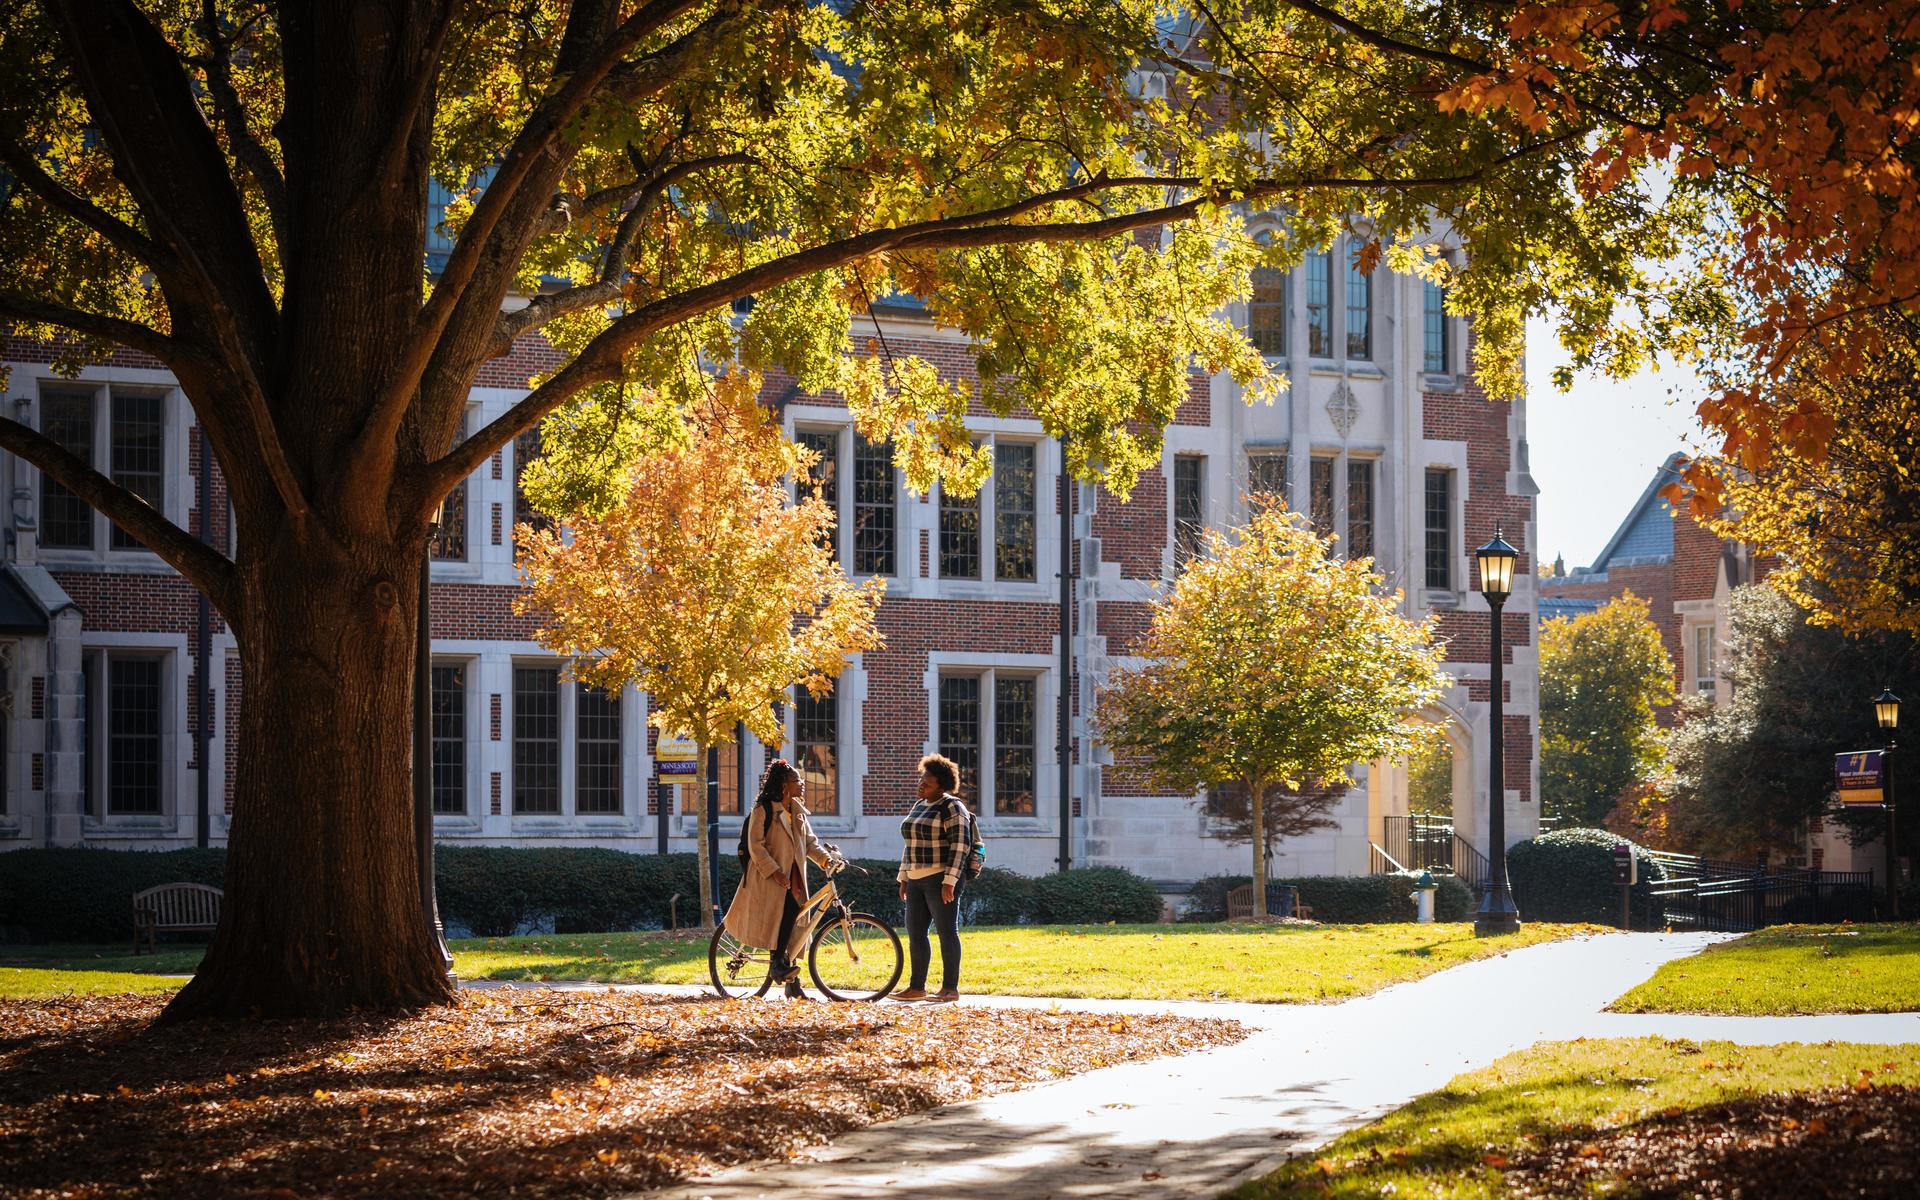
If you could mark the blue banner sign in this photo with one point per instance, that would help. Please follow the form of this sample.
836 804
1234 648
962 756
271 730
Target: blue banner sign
1860 776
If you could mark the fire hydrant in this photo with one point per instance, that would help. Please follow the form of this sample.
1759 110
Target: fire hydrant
1422 896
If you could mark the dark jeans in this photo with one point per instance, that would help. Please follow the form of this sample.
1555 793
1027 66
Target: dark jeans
789 912
924 909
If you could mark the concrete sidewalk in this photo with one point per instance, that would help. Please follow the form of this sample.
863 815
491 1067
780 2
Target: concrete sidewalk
1196 1125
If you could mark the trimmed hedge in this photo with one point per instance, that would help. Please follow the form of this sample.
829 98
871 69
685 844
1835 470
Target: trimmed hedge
75 895
1095 896
1342 899
497 891
1567 875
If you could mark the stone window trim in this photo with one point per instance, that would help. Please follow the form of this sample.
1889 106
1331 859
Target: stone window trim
850 701
636 772
1339 463
174 655
1043 669
178 489
985 509
845 491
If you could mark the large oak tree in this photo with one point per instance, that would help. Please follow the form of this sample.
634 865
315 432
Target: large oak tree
241 191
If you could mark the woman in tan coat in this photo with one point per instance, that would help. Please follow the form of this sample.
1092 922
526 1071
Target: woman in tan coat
779 844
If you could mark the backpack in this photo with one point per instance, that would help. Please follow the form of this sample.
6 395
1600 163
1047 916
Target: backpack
764 829
977 852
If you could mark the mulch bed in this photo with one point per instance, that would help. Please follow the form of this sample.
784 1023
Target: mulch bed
1862 1141
510 1093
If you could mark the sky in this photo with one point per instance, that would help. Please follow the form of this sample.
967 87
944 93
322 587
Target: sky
1593 449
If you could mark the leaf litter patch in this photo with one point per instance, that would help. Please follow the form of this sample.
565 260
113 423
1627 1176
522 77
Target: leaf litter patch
1838 1142
523 1093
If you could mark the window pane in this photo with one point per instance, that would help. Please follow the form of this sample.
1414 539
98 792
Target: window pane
960 726
1319 305
1359 508
1320 495
66 523
1434 314
1013 510
1359 309
1013 744
728 776
826 475
1267 473
450 738
450 539
816 748
1267 311
873 508
133 735
536 739
526 448
1189 507
1439 528
959 536
138 456
597 751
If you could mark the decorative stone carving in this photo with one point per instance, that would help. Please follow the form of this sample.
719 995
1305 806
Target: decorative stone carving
1343 408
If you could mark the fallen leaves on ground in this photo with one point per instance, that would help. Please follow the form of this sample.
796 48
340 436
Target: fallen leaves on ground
1858 1141
515 1092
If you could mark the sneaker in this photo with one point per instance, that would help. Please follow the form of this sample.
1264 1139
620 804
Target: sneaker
944 996
911 994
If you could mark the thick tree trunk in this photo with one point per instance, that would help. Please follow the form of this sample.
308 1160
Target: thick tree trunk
699 806
322 912
1258 810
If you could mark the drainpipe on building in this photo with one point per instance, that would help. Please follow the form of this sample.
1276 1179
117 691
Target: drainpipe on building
1066 662
203 654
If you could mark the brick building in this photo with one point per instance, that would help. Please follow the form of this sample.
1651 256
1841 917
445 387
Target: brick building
1383 438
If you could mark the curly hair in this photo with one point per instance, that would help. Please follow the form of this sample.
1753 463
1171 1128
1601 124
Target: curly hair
944 771
773 784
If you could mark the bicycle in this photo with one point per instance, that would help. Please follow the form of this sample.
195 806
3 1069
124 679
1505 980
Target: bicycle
852 956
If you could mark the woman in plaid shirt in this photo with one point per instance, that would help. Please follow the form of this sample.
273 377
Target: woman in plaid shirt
936 849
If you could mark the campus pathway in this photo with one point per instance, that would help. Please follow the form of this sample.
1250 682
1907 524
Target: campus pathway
1195 1125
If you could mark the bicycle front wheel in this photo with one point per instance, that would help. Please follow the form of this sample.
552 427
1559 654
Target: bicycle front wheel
737 970
855 957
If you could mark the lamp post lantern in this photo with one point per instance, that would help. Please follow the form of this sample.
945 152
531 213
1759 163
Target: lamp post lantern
1496 914
1886 710
423 750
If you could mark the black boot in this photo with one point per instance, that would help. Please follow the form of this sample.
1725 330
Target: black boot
794 991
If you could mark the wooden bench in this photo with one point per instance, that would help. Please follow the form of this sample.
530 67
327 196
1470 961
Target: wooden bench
174 908
1240 902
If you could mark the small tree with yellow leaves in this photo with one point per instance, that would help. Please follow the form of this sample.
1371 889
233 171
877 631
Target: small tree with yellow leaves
1271 668
708 586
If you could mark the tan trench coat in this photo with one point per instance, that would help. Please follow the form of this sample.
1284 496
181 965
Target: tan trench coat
773 848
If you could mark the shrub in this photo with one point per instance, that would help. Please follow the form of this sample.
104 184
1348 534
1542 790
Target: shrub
1567 875
497 891
1095 896
1000 897
1342 899
76 895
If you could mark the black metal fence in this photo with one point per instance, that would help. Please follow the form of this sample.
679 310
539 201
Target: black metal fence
1736 897
1421 842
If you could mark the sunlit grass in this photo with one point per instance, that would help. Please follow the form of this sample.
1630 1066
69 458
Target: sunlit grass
1790 970
1452 1143
1275 963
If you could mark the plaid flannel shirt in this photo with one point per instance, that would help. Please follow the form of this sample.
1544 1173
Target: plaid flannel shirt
935 833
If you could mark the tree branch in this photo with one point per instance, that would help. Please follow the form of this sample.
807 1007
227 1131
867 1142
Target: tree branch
529 146
131 334
1381 41
27 170
204 566
607 287
600 361
247 149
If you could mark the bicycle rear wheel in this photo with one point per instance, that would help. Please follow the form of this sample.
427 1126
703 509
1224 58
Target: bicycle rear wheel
738 970
855 957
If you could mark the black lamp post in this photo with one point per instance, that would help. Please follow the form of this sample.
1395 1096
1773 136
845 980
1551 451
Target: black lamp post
1886 709
1496 914
423 750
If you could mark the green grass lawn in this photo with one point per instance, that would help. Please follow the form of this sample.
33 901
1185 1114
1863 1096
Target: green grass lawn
1280 964
1791 970
1461 1140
